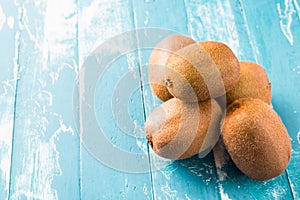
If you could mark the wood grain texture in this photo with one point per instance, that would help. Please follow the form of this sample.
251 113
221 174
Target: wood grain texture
45 42
226 21
9 40
45 160
193 178
279 50
118 107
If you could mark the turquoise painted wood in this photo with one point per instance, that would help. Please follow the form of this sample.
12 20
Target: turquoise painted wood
280 53
9 40
100 180
45 158
225 22
44 45
193 178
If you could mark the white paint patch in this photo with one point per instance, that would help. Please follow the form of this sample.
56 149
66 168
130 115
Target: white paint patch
10 22
205 23
2 18
297 7
145 191
42 162
39 162
25 26
286 18
146 21
187 197
96 16
275 194
16 57
296 70
298 137
164 166
60 15
62 127
168 191
224 196
168 170
6 129
54 75
131 61
37 2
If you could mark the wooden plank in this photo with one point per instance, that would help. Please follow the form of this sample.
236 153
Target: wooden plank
9 40
226 21
188 179
117 106
45 160
280 53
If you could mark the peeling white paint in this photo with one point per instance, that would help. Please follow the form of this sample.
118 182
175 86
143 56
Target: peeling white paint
291 7
202 27
146 191
224 196
54 75
60 15
277 194
298 137
168 191
91 19
41 164
11 22
187 197
2 18
7 94
168 170
297 7
163 165
146 21
25 26
6 127
41 161
131 61
296 70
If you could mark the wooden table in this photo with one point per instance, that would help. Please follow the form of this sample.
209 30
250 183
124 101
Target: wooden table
44 44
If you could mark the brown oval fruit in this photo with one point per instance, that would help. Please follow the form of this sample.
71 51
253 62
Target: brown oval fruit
179 130
157 62
253 83
202 71
256 139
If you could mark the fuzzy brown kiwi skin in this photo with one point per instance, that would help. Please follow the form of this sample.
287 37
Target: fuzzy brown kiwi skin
168 129
253 83
256 139
226 61
158 59
193 68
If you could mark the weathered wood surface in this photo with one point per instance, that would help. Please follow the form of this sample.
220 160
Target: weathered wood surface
44 44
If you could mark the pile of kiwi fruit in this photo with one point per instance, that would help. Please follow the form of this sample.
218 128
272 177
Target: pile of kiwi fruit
208 94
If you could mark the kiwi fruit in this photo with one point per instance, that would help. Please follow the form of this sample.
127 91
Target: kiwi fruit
256 139
253 83
179 130
202 71
157 62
